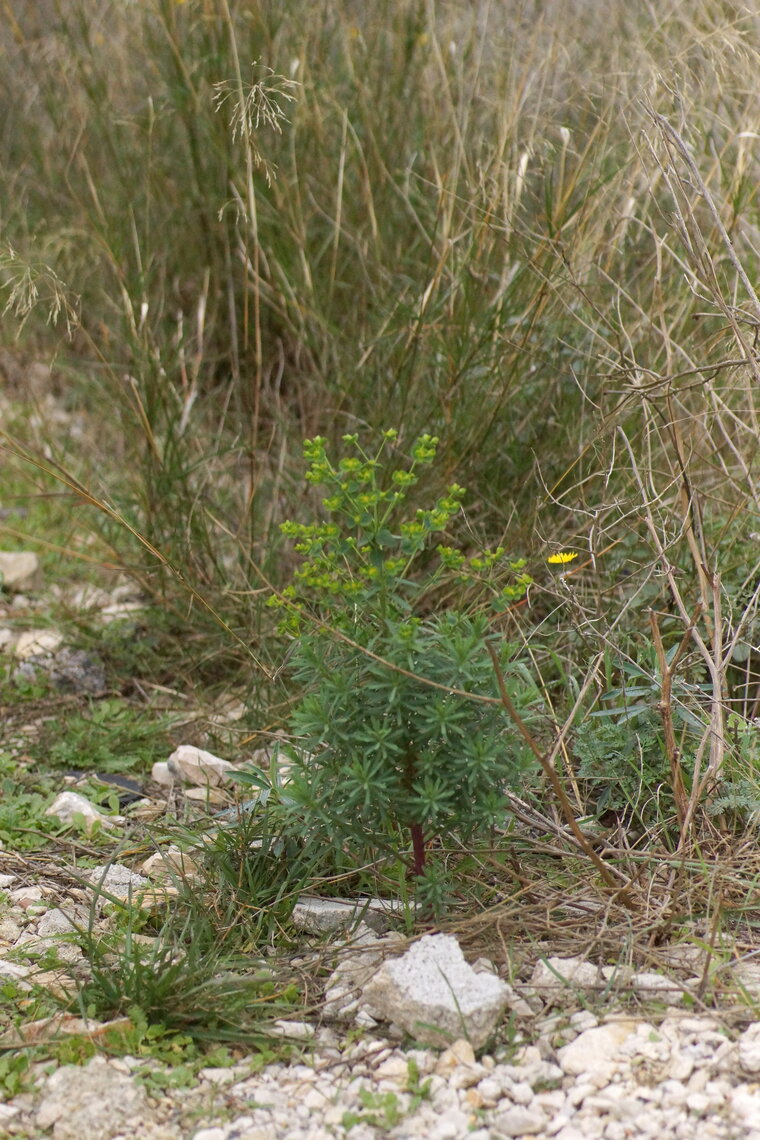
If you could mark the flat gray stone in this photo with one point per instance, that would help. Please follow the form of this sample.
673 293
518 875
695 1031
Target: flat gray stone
321 916
57 921
650 984
76 671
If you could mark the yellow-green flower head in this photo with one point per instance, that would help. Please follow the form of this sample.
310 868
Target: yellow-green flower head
561 558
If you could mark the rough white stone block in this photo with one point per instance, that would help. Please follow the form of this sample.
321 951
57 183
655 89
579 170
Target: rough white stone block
434 995
19 570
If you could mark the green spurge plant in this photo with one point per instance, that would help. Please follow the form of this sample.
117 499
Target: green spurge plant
401 734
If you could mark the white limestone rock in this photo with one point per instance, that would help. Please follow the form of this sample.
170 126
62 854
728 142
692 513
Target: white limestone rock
518 1004
295 1030
596 1048
745 1105
161 774
582 1020
649 984
360 959
69 805
459 1066
19 571
120 612
26 897
196 766
460 1053
749 1048
117 880
553 977
14 972
208 796
745 975
393 1068
37 642
170 863
434 995
9 930
519 1120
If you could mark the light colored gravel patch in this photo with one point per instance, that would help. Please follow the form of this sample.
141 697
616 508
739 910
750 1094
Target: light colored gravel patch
681 1079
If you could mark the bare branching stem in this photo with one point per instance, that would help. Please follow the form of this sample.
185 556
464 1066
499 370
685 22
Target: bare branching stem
665 708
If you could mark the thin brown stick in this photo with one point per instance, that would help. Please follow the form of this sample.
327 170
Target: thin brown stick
665 708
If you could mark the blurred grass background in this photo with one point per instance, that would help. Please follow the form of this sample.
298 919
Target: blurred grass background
255 222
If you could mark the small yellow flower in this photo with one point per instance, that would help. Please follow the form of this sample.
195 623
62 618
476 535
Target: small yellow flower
561 558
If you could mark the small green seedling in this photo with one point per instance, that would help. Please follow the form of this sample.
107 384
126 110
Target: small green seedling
401 734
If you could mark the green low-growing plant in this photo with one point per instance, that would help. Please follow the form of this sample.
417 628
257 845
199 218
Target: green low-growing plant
401 733
114 736
621 746
15 1076
378 1109
256 876
626 767
24 798
735 797
182 982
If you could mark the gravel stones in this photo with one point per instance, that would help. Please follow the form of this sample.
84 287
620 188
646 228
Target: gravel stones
595 1048
631 1096
97 1102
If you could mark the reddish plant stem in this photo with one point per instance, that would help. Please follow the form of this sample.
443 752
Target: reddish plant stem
418 848
417 833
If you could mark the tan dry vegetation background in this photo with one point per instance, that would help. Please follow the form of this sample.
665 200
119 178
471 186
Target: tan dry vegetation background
530 229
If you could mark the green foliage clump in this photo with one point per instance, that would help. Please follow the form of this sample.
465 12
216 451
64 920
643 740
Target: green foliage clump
621 747
736 797
113 735
401 731
23 823
626 766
